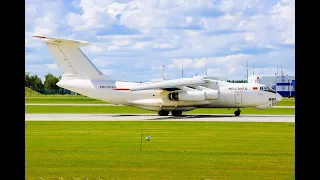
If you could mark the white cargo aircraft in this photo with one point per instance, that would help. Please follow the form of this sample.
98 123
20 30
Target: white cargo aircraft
175 96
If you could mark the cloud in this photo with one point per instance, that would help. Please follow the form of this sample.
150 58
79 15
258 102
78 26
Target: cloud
113 48
137 37
162 46
153 67
33 57
215 72
216 61
271 71
93 16
238 6
94 49
231 68
43 69
106 71
51 66
187 63
121 42
101 62
140 45
283 13
231 59
45 25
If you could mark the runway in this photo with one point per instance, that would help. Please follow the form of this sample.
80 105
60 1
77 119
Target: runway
62 104
47 104
155 117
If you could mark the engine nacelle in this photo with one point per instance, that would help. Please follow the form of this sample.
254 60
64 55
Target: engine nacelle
187 96
262 107
211 94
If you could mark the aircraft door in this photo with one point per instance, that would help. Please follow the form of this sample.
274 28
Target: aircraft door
238 98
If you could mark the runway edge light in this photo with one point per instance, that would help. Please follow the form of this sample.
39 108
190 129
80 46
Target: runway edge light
147 138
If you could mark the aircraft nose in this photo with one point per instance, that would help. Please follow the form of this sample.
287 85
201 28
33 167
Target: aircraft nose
278 97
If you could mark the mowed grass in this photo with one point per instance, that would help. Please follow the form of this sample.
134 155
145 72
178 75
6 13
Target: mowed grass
67 99
30 92
289 102
177 150
63 100
134 110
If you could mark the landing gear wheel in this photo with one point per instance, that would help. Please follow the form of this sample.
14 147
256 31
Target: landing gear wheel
237 112
176 113
163 113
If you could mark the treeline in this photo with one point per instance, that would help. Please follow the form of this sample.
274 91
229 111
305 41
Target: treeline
237 81
49 86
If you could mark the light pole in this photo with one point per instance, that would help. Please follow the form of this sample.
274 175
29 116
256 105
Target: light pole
289 95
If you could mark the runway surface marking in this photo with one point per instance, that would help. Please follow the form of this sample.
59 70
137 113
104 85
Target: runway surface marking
155 117
45 104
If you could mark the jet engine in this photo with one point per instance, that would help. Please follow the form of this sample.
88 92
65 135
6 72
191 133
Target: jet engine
194 95
211 94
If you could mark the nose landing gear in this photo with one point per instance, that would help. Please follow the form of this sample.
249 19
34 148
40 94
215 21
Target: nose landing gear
237 112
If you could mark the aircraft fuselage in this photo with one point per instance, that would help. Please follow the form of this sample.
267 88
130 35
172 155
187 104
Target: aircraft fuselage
230 95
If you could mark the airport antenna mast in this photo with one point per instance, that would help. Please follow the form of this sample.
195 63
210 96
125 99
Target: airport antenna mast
282 77
247 72
162 72
253 68
182 68
206 68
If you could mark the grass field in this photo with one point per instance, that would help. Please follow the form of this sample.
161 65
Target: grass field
63 99
131 110
29 92
177 150
83 100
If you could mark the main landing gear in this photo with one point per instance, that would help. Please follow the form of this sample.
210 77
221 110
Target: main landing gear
237 112
166 113
163 113
176 113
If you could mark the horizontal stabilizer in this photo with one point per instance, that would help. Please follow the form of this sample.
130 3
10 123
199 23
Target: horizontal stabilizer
68 41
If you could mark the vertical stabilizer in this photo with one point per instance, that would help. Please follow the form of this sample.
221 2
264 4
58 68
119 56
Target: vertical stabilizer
71 60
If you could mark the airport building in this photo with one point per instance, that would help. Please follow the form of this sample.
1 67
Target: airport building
284 85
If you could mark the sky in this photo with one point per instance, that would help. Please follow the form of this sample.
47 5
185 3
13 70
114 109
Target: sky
133 40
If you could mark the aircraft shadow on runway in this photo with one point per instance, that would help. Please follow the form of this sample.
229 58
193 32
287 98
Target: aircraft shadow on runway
156 117
188 116
195 117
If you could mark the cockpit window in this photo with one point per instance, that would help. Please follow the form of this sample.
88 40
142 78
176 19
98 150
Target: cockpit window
266 88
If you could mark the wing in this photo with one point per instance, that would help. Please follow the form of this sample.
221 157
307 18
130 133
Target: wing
170 85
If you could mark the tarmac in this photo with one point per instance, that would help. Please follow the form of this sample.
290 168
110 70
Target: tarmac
44 104
155 117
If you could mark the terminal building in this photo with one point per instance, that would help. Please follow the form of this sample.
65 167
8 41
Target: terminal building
284 85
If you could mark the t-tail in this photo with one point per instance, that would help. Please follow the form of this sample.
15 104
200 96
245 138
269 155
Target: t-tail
71 60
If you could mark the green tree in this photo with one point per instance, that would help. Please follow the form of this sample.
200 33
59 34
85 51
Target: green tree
34 82
27 81
237 81
50 82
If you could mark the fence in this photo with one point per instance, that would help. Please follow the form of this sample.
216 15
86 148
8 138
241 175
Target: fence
49 92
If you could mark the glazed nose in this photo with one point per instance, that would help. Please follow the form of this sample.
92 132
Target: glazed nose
278 97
